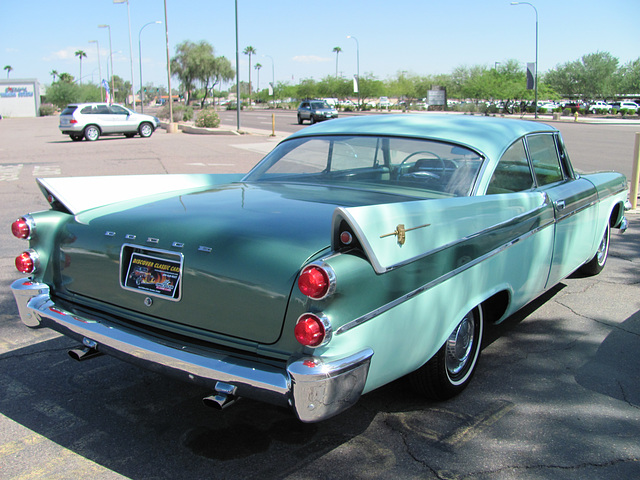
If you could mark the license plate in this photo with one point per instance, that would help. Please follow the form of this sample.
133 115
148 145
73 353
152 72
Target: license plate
155 273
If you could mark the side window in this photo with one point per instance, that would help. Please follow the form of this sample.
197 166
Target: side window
512 174
88 110
116 110
544 158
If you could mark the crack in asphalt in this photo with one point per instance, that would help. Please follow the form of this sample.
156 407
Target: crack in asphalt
601 322
579 466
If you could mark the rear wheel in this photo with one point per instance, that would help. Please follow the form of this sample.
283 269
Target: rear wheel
450 370
145 130
299 120
596 264
91 133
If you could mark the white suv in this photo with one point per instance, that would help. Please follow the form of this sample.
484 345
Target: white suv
90 120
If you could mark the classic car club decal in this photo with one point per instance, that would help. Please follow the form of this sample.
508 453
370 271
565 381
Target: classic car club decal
153 275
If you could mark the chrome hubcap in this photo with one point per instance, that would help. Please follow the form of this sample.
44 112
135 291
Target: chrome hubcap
603 247
460 345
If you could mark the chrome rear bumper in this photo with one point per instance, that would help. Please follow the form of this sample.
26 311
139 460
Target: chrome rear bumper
315 388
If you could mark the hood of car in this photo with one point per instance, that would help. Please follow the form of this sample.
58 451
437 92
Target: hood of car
222 261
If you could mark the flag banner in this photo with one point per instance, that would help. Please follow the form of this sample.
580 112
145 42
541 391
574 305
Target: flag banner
355 84
531 68
105 85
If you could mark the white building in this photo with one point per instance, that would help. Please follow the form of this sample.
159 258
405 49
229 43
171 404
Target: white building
19 97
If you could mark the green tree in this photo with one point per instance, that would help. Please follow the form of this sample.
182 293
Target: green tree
216 71
630 78
188 62
249 51
80 54
593 76
8 68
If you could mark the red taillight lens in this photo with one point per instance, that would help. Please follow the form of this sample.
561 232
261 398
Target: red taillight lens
73 121
27 262
316 282
21 228
310 330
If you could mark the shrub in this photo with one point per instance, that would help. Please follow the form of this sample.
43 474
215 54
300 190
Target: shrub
208 118
47 109
181 113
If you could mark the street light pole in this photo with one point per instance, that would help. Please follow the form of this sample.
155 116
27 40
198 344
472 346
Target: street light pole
535 84
172 128
133 95
113 92
357 65
273 75
140 55
238 102
99 70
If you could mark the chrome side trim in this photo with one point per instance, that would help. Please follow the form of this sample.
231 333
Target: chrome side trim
480 233
316 388
408 296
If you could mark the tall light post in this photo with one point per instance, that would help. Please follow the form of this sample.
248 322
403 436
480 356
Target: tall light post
535 81
273 74
113 92
133 95
140 55
172 128
238 102
99 69
357 66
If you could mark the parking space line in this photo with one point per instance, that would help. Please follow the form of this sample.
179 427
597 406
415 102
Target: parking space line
10 173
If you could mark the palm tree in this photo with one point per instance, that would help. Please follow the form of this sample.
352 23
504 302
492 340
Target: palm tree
54 74
80 54
258 67
337 50
8 68
249 51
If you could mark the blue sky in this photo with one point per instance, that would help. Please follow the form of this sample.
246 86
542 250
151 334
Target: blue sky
418 36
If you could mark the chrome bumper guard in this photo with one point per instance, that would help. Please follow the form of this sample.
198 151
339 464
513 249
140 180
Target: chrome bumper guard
315 388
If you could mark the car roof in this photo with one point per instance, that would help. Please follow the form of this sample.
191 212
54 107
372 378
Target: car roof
489 136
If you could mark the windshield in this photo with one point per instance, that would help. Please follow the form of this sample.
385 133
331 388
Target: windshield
402 165
318 105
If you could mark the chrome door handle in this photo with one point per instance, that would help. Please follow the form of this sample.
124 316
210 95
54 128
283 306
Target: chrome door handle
560 204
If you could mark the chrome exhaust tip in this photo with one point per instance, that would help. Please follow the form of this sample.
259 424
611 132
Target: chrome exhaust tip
83 353
219 401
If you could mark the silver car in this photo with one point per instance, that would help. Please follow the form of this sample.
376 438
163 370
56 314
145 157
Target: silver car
91 120
315 111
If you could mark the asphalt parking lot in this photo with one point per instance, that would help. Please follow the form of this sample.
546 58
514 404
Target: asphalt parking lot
556 394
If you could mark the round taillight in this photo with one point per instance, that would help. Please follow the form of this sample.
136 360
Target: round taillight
346 238
312 330
27 262
21 228
317 281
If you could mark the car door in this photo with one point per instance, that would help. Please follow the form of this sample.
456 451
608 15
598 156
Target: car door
122 120
305 111
574 201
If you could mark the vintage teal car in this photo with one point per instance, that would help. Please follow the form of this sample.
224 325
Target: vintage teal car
357 252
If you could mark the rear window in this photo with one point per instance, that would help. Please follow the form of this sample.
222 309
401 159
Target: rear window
69 110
